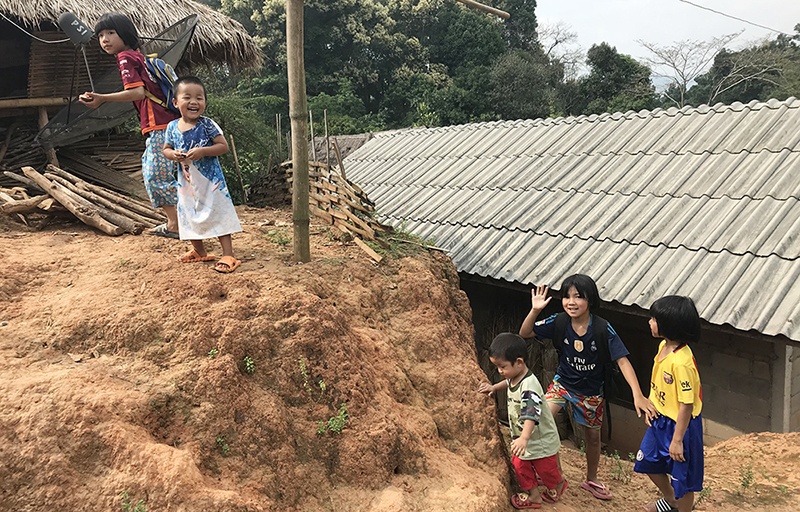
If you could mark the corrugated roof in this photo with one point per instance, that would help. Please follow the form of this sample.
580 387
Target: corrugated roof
703 202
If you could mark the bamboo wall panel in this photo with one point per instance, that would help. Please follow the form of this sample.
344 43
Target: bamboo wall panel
51 65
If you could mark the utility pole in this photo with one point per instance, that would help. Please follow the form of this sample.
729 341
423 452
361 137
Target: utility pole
298 114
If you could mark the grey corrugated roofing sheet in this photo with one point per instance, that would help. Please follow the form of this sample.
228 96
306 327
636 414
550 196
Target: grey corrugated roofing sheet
703 202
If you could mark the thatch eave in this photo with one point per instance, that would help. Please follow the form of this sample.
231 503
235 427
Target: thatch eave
218 38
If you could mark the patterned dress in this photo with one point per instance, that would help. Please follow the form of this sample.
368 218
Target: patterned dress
205 208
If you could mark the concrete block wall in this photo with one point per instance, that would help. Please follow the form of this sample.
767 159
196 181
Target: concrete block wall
794 415
737 383
735 371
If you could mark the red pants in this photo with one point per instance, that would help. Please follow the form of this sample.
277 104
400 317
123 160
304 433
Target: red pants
546 468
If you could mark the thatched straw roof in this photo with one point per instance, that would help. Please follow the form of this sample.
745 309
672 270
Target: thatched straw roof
217 38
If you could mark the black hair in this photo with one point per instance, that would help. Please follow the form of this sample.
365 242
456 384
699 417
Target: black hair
677 318
187 80
508 346
586 287
122 25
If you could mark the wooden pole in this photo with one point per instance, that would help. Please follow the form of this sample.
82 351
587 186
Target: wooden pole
297 113
33 102
238 172
51 152
278 128
339 159
485 8
313 144
327 142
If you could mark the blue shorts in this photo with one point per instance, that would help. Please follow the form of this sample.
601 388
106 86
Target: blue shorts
653 456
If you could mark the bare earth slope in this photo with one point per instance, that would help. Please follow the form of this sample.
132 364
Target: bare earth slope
107 384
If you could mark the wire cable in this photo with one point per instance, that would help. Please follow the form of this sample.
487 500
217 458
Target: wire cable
33 36
734 17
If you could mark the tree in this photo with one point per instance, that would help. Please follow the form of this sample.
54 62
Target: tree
683 61
615 82
355 40
560 44
523 85
762 71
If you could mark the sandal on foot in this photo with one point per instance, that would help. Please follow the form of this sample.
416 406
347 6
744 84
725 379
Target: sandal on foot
523 500
192 257
552 495
662 505
599 491
229 264
161 230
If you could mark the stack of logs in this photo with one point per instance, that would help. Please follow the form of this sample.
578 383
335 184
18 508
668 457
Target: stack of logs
110 212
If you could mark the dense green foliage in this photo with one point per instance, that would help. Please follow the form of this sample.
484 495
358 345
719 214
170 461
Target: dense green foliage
382 64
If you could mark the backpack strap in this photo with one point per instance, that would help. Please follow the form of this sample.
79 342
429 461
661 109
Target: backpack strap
560 331
152 97
600 330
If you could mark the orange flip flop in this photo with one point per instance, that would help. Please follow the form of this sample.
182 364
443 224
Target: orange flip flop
193 257
229 261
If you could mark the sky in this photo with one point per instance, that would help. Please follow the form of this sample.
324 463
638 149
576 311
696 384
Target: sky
621 22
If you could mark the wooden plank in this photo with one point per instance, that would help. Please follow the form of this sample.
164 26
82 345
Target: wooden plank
94 171
327 217
367 249
33 102
344 227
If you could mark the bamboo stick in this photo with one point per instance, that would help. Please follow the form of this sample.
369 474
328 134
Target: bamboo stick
338 158
298 106
238 172
485 8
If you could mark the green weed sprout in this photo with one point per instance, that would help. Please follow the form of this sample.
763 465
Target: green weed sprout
129 506
335 423
249 365
213 353
223 446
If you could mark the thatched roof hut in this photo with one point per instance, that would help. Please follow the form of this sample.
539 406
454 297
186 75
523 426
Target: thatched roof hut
40 70
218 38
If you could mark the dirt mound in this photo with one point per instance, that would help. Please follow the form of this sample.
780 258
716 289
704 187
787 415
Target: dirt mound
125 370
334 385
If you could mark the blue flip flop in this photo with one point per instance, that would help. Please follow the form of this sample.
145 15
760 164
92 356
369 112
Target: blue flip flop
162 231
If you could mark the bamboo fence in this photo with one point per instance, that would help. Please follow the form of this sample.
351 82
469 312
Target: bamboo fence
339 202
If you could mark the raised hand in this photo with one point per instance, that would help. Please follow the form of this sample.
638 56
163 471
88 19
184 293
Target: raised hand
539 298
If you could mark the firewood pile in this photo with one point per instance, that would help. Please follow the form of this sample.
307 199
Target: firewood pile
17 148
58 191
270 188
341 204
